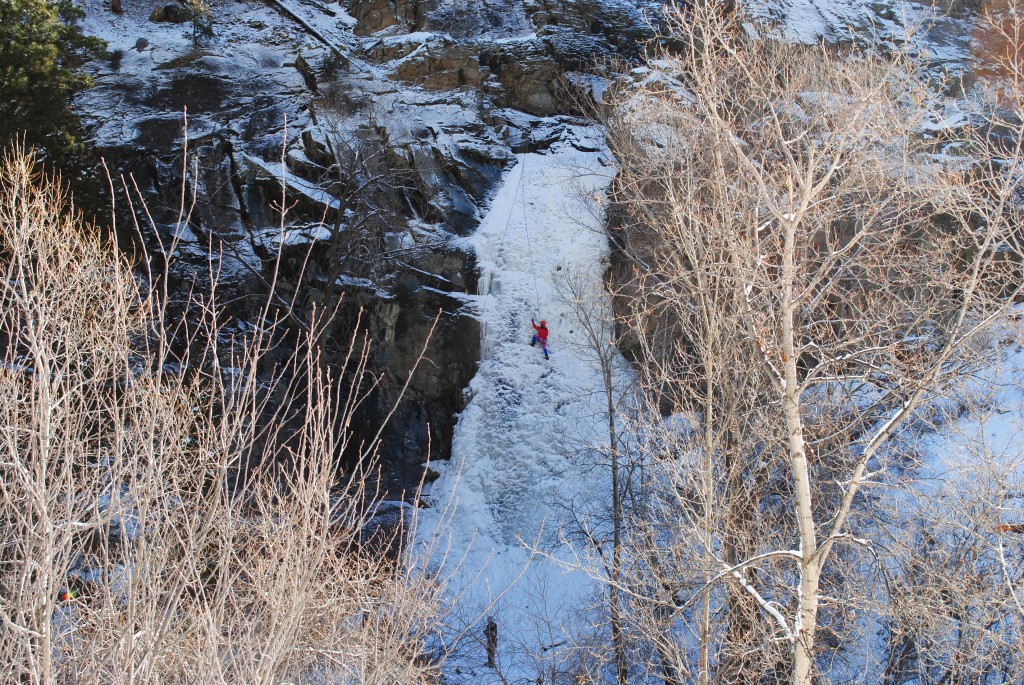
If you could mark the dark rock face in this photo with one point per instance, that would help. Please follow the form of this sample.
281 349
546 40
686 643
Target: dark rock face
174 13
373 16
527 73
589 29
394 124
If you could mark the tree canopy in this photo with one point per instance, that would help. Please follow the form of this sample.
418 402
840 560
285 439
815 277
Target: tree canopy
41 48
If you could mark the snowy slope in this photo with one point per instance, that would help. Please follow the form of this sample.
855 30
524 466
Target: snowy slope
517 465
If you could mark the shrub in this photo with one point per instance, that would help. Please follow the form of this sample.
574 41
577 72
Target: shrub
161 515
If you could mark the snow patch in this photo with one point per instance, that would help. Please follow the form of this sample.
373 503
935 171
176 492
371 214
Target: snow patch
295 184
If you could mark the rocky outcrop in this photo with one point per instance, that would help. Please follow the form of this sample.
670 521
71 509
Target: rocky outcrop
174 13
593 29
434 62
373 16
953 7
528 75
400 325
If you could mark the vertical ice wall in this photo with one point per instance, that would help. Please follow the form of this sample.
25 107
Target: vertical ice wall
522 467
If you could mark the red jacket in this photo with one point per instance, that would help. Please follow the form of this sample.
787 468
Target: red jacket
542 331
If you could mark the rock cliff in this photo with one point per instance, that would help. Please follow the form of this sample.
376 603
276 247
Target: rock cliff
386 124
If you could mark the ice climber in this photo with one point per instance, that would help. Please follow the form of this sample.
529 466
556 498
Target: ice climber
491 633
541 336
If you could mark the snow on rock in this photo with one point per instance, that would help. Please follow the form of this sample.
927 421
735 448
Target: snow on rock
298 186
516 469
941 41
234 82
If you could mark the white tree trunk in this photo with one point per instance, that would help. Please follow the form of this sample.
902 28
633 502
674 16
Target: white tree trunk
807 593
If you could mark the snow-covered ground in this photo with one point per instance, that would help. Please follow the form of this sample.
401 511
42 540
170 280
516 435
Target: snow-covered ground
520 469
988 435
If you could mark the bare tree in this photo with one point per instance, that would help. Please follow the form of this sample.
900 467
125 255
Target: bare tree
956 559
805 276
174 515
588 302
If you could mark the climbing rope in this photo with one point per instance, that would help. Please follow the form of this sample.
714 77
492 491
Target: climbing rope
501 246
526 227
529 245
508 221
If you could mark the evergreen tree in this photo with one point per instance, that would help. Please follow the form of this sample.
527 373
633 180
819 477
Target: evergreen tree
41 48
